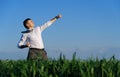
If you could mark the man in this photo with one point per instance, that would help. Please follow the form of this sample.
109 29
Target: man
32 38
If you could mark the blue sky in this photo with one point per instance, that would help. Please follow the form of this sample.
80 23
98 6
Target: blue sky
87 26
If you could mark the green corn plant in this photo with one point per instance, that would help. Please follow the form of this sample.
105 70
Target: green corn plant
61 67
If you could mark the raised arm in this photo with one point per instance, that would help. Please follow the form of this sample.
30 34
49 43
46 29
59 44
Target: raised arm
47 24
55 18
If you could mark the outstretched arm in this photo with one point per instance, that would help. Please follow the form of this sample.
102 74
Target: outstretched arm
55 18
47 24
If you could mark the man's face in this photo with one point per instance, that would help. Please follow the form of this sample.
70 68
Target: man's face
30 24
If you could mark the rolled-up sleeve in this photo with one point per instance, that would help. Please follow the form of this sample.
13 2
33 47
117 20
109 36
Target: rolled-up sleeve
45 25
22 40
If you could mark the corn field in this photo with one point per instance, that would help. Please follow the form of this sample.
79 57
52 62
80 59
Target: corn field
61 68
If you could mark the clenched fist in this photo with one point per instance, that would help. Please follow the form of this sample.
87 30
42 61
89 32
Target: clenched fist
59 16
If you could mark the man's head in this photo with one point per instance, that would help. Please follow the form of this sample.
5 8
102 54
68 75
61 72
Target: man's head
28 23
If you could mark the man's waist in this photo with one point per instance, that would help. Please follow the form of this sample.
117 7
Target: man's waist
37 49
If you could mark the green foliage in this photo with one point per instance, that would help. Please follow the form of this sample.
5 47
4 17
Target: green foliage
61 68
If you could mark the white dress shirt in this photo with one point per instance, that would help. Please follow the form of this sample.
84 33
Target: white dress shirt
34 37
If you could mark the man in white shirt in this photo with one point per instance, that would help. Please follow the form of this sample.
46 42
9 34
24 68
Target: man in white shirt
32 38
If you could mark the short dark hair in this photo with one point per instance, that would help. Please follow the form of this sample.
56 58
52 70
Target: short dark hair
25 21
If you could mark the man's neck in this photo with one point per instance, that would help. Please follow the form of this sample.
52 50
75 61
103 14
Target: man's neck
30 28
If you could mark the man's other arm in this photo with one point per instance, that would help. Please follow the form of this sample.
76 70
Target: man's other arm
47 24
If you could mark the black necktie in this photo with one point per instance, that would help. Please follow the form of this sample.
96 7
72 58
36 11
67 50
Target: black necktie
27 31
